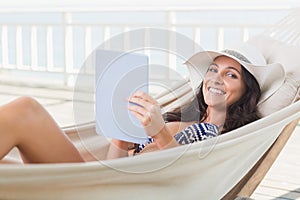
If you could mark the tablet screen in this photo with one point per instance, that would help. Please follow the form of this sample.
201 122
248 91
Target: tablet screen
118 75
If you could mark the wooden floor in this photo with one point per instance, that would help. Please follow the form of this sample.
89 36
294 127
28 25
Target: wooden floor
281 183
283 180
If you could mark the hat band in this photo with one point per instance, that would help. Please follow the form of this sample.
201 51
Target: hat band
237 55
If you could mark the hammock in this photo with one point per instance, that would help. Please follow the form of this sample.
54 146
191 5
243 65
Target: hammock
210 169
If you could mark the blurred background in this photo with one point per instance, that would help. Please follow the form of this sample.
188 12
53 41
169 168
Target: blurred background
45 43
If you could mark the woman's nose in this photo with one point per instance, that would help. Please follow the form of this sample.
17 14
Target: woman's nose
218 79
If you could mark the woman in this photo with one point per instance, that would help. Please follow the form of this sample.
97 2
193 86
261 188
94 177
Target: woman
226 100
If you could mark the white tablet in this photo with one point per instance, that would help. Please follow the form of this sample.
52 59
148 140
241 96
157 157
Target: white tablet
118 75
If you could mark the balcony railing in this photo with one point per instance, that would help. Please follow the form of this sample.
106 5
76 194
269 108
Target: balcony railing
49 47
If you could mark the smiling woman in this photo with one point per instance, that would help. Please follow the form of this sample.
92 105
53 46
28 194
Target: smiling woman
231 89
226 99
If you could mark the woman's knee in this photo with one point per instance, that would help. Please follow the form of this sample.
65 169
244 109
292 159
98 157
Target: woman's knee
23 108
16 116
27 104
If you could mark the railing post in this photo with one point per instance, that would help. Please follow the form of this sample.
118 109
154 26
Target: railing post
171 60
34 51
245 34
197 38
88 41
19 47
49 46
106 36
68 37
4 42
220 38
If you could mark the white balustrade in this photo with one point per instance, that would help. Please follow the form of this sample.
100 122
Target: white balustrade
69 24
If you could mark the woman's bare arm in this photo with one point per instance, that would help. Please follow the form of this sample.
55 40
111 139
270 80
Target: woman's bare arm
173 129
117 149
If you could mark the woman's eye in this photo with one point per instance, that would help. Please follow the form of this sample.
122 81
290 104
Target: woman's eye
232 75
212 69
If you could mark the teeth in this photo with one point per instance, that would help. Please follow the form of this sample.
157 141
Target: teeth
216 91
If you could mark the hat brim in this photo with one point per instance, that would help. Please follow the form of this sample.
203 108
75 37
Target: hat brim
269 77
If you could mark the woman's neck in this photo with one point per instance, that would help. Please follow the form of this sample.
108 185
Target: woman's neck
216 116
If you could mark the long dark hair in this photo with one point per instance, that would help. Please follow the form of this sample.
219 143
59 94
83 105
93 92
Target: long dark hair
238 114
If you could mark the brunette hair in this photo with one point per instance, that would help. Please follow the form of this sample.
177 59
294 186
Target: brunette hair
238 114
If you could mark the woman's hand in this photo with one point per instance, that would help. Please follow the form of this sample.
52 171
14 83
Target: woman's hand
148 112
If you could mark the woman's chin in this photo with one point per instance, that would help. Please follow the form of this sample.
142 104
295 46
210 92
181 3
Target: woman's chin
216 104
215 101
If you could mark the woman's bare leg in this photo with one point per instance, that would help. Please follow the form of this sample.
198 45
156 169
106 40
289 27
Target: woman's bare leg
25 124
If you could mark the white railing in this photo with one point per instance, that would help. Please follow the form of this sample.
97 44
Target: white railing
53 44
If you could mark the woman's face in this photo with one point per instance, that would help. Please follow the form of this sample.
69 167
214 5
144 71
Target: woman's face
223 83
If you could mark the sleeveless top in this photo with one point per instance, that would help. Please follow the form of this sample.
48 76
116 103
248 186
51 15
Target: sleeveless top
193 133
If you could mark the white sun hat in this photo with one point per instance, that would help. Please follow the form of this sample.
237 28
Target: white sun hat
269 76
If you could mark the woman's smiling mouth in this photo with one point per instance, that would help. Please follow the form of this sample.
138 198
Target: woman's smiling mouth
216 91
